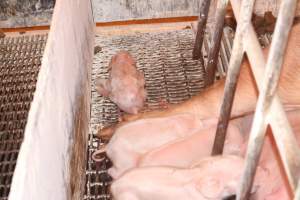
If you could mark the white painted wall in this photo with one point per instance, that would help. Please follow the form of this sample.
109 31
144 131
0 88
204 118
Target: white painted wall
42 170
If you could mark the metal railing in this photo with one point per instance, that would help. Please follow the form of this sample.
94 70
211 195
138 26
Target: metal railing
269 110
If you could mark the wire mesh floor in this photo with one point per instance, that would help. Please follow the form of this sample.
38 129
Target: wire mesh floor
20 61
165 58
171 76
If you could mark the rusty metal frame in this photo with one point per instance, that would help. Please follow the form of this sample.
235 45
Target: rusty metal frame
268 101
232 77
213 53
204 9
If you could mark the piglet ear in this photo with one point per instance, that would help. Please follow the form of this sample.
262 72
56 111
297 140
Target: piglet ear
102 87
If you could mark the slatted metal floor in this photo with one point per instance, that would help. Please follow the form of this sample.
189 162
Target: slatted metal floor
20 61
171 76
165 58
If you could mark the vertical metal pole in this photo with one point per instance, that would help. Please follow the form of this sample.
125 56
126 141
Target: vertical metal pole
297 193
270 82
204 8
232 76
216 42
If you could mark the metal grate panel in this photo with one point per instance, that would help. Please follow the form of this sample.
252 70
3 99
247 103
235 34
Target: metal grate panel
20 60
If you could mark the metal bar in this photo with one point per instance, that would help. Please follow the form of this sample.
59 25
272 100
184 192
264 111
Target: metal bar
204 8
232 76
224 55
216 42
289 150
297 193
280 132
287 144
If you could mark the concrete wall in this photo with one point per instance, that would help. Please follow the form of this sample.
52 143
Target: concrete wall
22 13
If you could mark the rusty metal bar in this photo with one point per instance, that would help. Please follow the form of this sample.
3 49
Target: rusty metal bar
291 154
204 9
216 42
232 76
